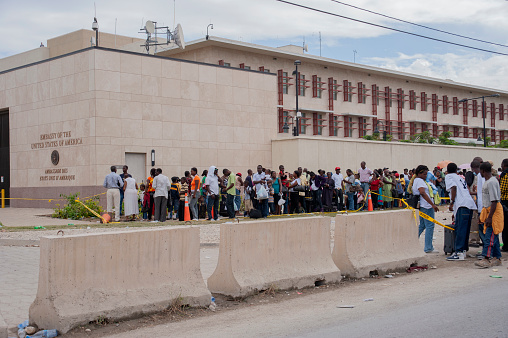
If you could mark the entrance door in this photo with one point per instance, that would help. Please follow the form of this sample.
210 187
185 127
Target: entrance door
5 164
137 166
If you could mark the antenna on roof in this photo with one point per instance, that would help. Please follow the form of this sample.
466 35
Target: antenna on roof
319 43
151 28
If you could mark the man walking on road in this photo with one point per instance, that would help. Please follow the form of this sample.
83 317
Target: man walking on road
113 182
462 206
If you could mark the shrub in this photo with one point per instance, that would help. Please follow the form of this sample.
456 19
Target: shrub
75 210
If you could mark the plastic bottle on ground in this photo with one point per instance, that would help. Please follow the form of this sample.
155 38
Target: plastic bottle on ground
213 306
44 334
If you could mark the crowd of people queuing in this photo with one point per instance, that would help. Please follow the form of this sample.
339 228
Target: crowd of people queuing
470 195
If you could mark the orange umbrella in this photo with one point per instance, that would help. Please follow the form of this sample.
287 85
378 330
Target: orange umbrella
443 164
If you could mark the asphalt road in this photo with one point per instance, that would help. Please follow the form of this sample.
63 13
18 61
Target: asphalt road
455 300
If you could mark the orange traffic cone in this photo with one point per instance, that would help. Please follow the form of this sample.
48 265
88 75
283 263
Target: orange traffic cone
186 215
369 200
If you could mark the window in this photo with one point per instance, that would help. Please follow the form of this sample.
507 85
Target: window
475 108
348 94
377 95
456 131
243 66
362 130
455 106
335 125
285 118
501 111
424 127
318 123
362 93
227 64
267 70
401 98
389 96
445 104
412 100
262 69
301 85
475 133
317 86
303 124
350 122
423 101
285 81
335 88
246 67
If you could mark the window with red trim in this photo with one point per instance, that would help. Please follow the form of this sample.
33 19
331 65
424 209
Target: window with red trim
455 106
423 101
445 104
475 133
412 100
475 108
317 123
501 111
456 131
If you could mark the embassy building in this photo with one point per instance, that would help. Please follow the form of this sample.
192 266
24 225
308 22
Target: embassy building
69 111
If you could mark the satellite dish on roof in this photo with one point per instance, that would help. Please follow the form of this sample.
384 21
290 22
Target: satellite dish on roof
150 27
306 47
179 39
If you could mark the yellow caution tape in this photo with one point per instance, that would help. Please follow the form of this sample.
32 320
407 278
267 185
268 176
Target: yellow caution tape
92 211
421 214
48 199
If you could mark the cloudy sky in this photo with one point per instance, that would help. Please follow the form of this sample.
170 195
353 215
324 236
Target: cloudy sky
27 23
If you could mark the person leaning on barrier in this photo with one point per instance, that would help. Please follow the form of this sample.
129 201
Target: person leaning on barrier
113 182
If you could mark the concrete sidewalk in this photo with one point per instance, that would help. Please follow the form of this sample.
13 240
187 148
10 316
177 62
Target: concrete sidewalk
13 217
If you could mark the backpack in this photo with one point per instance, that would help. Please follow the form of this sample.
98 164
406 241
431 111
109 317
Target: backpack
255 213
399 188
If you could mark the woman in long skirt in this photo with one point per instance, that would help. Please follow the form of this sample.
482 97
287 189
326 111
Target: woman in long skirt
130 188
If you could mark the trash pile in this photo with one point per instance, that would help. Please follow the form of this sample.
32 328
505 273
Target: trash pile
32 331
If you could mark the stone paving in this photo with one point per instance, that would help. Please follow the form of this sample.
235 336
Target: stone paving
31 217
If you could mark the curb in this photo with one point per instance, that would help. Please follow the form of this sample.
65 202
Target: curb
32 242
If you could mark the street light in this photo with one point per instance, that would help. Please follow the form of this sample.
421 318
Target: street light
296 130
209 26
95 27
376 130
483 114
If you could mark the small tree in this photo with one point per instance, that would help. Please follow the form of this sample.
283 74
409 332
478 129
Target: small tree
444 138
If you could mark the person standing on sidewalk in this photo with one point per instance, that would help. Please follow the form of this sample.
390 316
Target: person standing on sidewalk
503 183
339 196
427 207
365 174
161 185
462 206
194 193
492 218
230 193
113 182
213 193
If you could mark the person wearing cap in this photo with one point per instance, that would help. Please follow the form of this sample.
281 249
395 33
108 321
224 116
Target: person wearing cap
238 196
339 195
365 174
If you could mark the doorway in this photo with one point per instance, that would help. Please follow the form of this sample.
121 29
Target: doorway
137 166
5 161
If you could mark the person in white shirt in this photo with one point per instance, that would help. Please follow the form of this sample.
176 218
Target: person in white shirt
339 195
259 180
480 180
462 205
427 206
161 185
212 191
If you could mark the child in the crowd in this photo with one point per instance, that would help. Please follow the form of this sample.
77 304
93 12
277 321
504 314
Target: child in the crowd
271 204
247 198
184 188
141 201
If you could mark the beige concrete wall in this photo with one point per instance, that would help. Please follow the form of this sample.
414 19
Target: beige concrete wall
145 271
190 114
21 59
382 241
282 254
80 39
324 153
51 107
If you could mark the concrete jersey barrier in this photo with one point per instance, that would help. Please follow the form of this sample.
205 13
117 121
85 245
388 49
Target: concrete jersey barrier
116 275
382 241
280 254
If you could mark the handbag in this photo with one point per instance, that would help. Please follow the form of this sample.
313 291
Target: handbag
284 189
300 188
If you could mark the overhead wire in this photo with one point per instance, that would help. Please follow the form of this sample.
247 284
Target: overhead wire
390 28
418 25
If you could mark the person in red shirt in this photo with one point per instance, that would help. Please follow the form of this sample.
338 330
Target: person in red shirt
375 184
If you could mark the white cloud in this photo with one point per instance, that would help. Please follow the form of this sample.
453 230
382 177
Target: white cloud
484 71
